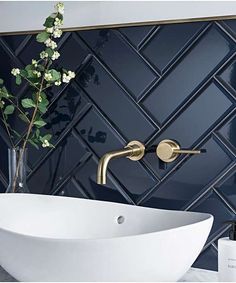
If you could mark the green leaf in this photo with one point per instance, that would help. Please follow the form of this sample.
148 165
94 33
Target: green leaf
9 110
1 81
49 51
43 36
37 133
56 76
18 80
23 118
46 137
27 103
39 123
42 108
49 22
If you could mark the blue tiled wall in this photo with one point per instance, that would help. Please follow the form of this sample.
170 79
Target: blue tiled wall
145 83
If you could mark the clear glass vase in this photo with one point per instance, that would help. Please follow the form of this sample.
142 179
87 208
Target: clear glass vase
17 164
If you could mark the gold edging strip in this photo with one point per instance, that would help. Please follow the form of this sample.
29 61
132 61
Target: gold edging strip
147 23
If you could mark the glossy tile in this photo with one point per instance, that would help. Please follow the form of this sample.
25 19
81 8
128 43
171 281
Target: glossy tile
195 122
101 138
169 42
190 180
180 83
208 259
114 103
228 131
129 68
136 34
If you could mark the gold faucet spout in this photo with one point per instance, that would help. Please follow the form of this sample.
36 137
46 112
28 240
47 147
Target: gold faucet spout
134 151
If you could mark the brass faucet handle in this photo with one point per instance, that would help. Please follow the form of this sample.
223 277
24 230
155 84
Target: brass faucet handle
169 150
138 150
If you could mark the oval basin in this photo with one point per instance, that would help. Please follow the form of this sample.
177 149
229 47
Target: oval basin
52 238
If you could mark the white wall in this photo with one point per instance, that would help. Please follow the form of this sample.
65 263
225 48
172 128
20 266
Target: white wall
25 16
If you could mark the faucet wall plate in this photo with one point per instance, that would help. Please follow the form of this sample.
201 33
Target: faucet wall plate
169 150
139 150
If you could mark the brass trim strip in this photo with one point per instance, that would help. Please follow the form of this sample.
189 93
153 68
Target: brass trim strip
108 26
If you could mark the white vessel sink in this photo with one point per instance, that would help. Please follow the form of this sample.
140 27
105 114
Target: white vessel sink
49 238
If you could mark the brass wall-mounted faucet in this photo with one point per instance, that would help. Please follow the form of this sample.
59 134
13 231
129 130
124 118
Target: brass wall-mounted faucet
167 151
134 151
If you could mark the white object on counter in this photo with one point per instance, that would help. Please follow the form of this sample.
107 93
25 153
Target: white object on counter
200 275
227 260
52 238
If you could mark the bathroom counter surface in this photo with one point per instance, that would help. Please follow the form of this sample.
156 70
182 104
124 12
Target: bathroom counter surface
200 275
193 275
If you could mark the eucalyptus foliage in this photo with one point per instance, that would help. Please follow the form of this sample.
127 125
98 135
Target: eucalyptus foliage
40 75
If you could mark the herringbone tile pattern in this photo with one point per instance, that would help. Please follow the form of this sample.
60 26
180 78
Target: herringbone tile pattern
139 83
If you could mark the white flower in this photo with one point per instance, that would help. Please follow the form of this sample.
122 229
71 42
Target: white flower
57 33
57 83
34 62
50 43
43 55
60 8
45 143
49 30
65 78
71 74
2 102
15 72
48 76
58 22
38 74
55 55
40 98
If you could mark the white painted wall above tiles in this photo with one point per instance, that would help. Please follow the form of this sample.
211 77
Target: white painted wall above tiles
29 15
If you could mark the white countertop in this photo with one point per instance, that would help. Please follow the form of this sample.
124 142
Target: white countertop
200 275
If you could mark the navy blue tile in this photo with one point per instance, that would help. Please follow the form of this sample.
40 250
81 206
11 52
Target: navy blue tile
71 189
102 139
227 189
86 176
228 131
229 74
195 122
211 203
3 157
181 83
72 46
232 25
136 34
121 59
169 42
114 103
63 111
14 41
189 181
64 158
207 260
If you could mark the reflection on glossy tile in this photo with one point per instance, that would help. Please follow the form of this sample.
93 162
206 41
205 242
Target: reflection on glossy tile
227 189
108 104
211 203
194 122
114 102
229 74
128 67
228 131
65 157
71 189
169 41
176 87
102 139
86 176
136 34
208 259
189 181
